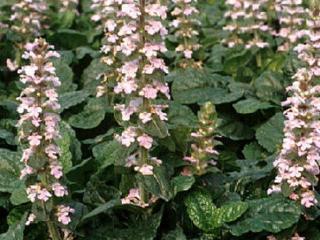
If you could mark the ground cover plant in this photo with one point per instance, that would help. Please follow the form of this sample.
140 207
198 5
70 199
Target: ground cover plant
159 119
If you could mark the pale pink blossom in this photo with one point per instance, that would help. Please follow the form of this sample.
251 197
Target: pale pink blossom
63 214
145 141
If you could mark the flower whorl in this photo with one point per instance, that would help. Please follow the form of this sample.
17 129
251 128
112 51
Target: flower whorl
184 25
39 125
298 162
292 17
247 23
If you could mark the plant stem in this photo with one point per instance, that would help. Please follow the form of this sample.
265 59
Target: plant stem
53 231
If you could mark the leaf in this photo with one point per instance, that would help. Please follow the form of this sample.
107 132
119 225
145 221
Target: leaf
250 105
9 170
90 76
101 209
64 144
15 231
206 216
182 183
19 196
192 86
252 151
270 134
69 39
200 210
269 87
271 214
252 169
110 152
180 115
7 136
70 99
158 184
81 52
156 128
232 128
91 116
232 211
65 74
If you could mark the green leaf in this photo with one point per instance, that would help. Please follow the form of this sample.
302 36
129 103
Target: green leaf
192 86
182 183
252 151
270 134
269 87
180 115
200 210
232 211
110 152
101 209
7 136
90 77
70 99
252 169
69 39
9 170
81 52
156 128
250 105
19 195
229 126
91 116
65 74
271 214
206 216
64 144
158 184
15 231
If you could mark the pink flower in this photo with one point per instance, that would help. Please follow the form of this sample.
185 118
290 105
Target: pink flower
56 170
44 195
27 170
59 190
145 169
63 214
145 141
127 86
187 53
127 137
34 140
149 92
145 117
308 199
154 27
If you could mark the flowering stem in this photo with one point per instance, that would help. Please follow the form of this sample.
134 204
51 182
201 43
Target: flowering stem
53 231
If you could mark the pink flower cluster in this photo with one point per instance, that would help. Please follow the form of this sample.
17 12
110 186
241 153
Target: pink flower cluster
247 19
28 17
292 15
133 43
184 24
203 152
297 163
39 122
